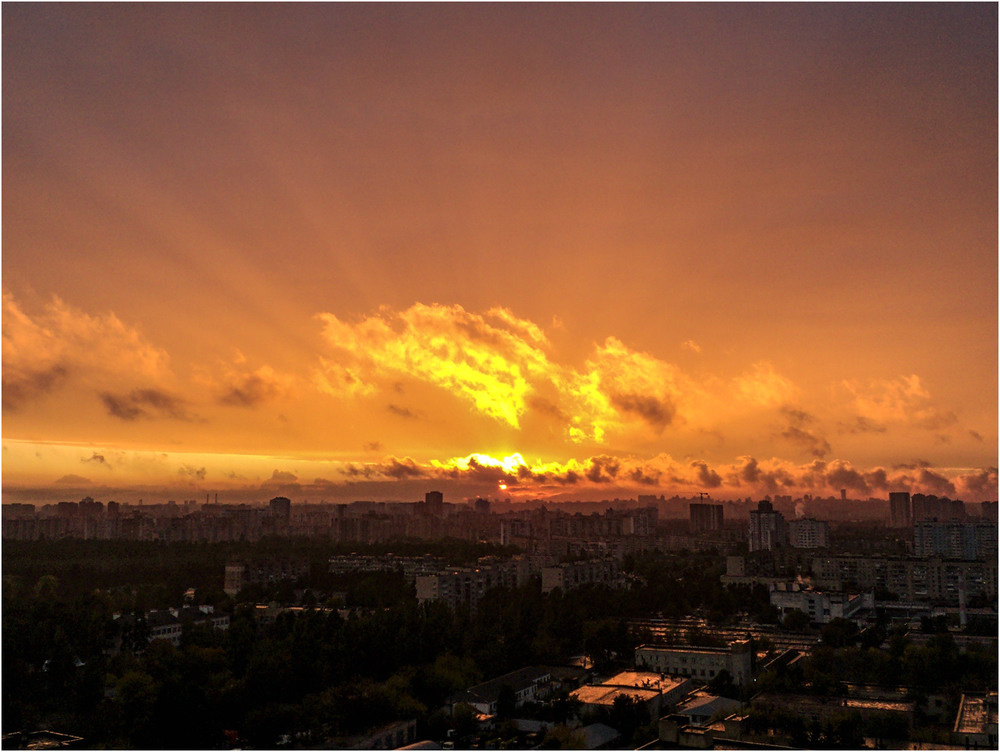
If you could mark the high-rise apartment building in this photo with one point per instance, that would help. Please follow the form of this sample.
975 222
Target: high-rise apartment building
435 502
705 517
899 509
767 528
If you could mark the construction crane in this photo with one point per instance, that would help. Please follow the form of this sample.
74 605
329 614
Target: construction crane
704 495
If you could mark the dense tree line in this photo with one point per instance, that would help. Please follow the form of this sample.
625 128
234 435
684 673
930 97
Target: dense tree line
321 673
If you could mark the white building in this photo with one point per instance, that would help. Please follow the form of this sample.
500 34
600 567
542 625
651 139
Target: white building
702 664
821 606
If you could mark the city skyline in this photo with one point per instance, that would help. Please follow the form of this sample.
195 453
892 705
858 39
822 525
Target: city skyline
571 251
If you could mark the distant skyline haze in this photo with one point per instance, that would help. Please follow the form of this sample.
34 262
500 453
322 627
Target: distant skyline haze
362 251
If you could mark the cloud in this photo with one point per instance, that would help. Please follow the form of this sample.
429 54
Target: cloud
372 446
935 483
602 469
95 457
815 445
198 473
73 480
499 364
691 345
45 352
706 476
796 433
486 364
861 425
403 412
284 476
903 400
762 386
253 388
981 484
144 404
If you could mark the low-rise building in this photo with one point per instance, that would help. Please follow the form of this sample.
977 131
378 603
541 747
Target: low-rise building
527 684
656 691
821 605
976 721
574 574
699 663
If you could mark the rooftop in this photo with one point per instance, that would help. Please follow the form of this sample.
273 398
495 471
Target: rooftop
975 713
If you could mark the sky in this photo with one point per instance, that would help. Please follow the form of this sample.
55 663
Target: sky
567 251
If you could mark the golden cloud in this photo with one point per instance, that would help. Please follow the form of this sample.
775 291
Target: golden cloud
63 344
499 364
762 386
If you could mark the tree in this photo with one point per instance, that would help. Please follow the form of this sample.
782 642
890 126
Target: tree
796 620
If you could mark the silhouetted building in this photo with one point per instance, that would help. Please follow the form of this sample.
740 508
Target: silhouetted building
281 507
705 517
767 528
900 513
435 502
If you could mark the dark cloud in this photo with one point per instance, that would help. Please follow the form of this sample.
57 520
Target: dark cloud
861 424
766 481
399 469
982 483
73 480
644 476
657 412
602 469
797 417
363 471
372 446
935 483
198 473
877 479
95 457
915 465
24 387
840 475
750 472
976 435
403 412
250 390
284 476
547 407
144 403
707 477
817 446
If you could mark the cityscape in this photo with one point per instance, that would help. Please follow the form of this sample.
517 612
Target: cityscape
500 376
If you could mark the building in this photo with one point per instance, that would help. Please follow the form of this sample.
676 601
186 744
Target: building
280 507
976 722
808 533
239 574
900 514
936 508
656 691
434 501
701 664
574 574
821 606
705 518
767 528
526 684
913 579
955 539
466 586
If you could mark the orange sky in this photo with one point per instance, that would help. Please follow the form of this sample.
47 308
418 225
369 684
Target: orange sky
363 251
